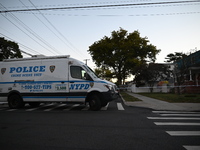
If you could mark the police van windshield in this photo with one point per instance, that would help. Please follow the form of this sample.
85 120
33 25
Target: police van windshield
89 70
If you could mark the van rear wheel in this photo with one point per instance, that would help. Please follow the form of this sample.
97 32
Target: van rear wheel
94 102
15 101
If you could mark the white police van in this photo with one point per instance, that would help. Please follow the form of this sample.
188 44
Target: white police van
52 79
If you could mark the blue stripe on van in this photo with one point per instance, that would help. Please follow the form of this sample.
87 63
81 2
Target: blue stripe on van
50 81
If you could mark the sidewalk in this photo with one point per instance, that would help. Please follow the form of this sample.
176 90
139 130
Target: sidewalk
155 104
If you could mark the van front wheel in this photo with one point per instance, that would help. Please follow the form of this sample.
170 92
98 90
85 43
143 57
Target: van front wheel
94 102
15 101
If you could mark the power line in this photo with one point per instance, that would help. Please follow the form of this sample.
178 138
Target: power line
52 49
63 38
23 31
89 3
45 26
26 53
121 15
21 45
102 6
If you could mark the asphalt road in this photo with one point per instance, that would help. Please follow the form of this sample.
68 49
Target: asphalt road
118 127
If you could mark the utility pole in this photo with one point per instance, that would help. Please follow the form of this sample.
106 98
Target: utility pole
86 61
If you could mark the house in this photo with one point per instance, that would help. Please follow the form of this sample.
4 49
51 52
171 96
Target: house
157 77
187 74
185 77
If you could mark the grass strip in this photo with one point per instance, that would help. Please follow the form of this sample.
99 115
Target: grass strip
174 98
128 98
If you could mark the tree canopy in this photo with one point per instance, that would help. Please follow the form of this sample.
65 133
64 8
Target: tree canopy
174 57
150 73
104 73
9 49
122 52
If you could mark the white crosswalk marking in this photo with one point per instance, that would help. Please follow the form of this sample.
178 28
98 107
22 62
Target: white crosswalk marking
175 112
51 106
86 108
192 115
175 115
11 109
191 147
54 107
73 106
3 103
184 133
177 123
173 118
119 106
31 109
105 108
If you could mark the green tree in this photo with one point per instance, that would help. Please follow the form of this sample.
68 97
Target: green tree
9 49
179 71
152 73
122 52
174 57
104 73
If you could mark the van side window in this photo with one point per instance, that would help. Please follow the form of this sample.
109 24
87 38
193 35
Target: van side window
78 72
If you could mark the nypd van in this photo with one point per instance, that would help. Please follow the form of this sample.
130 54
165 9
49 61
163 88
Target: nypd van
52 79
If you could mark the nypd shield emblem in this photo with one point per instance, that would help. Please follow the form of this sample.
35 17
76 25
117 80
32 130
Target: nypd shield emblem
3 70
52 68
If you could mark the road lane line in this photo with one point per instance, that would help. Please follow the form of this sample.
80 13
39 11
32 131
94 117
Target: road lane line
119 106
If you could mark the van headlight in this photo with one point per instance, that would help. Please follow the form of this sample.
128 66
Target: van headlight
109 87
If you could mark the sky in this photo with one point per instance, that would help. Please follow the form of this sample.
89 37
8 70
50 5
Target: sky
170 27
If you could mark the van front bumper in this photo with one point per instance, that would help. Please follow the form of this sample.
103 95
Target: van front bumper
109 96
